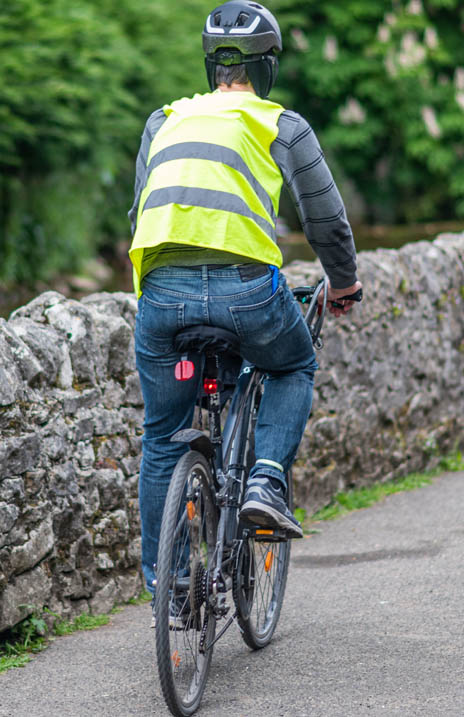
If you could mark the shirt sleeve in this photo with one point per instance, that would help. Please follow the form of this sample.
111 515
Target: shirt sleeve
320 208
152 126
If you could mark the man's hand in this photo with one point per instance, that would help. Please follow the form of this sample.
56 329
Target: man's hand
336 294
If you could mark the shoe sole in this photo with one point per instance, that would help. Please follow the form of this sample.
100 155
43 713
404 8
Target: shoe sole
264 515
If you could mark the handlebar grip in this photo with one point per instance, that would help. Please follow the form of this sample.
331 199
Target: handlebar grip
357 296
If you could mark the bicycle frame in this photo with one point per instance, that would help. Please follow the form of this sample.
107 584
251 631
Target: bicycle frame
229 469
202 515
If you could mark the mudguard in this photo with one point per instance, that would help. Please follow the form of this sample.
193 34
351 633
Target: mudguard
196 440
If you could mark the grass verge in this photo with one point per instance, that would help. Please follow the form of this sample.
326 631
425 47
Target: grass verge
358 498
23 641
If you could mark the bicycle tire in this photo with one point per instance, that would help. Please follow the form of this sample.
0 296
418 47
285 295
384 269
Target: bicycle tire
186 548
262 567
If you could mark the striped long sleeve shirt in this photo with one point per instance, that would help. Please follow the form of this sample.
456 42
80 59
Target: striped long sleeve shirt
320 208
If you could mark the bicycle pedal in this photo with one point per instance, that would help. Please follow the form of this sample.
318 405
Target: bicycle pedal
268 535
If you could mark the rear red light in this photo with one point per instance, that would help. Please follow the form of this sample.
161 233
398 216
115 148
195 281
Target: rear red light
184 370
210 385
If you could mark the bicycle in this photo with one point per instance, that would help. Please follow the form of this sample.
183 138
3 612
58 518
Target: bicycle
208 559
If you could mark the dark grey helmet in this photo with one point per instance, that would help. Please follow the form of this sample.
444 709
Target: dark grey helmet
244 25
242 31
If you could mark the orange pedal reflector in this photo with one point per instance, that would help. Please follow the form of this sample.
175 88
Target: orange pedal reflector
268 560
190 510
264 532
175 657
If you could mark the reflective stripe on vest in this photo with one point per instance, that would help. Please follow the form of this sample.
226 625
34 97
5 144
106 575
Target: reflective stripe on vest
211 180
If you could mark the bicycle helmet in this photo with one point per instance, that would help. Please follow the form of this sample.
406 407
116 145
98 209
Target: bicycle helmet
241 31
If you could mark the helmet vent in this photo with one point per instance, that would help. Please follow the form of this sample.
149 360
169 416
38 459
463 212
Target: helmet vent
255 4
242 18
217 19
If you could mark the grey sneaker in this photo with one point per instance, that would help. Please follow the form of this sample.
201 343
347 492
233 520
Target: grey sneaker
265 505
180 616
153 618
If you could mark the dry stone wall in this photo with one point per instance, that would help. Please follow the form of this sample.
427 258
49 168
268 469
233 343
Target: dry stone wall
389 395
71 422
389 398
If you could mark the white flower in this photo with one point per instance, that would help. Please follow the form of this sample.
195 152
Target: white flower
390 18
415 7
431 38
409 41
459 78
300 40
430 121
330 50
412 52
352 112
383 33
390 64
460 99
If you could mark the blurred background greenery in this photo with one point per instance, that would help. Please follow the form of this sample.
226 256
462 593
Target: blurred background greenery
381 82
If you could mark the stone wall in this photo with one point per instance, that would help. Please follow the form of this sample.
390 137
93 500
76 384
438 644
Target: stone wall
70 421
389 398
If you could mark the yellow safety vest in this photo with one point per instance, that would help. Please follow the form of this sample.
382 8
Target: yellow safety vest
211 180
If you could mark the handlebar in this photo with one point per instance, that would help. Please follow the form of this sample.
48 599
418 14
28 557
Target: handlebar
357 296
315 313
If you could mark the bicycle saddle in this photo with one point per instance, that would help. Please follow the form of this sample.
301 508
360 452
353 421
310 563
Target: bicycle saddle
206 339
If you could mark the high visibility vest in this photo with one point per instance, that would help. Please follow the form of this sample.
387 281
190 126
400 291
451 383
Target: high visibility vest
211 180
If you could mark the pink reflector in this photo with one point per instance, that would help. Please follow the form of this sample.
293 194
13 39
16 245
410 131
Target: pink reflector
184 370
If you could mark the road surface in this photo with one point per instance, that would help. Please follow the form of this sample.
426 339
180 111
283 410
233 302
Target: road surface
372 625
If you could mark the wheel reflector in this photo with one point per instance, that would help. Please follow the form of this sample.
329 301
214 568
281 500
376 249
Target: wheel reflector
268 560
175 657
190 510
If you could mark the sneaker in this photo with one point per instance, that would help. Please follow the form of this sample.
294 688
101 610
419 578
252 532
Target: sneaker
265 505
153 618
179 613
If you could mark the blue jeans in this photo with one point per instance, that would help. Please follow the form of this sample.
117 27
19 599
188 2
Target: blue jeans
273 337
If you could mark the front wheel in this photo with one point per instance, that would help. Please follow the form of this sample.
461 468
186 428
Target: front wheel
185 626
260 575
259 588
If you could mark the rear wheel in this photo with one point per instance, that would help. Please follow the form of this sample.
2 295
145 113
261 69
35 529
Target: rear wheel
184 625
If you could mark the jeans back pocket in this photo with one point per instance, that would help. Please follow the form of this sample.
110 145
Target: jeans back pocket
259 324
157 324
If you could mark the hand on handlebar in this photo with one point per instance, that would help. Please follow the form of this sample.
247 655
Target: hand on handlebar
338 302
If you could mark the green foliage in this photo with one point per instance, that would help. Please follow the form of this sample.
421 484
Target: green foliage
364 497
453 462
381 82
358 498
82 622
24 639
78 81
32 635
144 597
383 85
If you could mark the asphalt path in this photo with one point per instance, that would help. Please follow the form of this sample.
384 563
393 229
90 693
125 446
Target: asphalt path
372 625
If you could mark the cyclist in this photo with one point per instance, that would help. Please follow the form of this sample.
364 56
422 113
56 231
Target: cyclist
209 174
